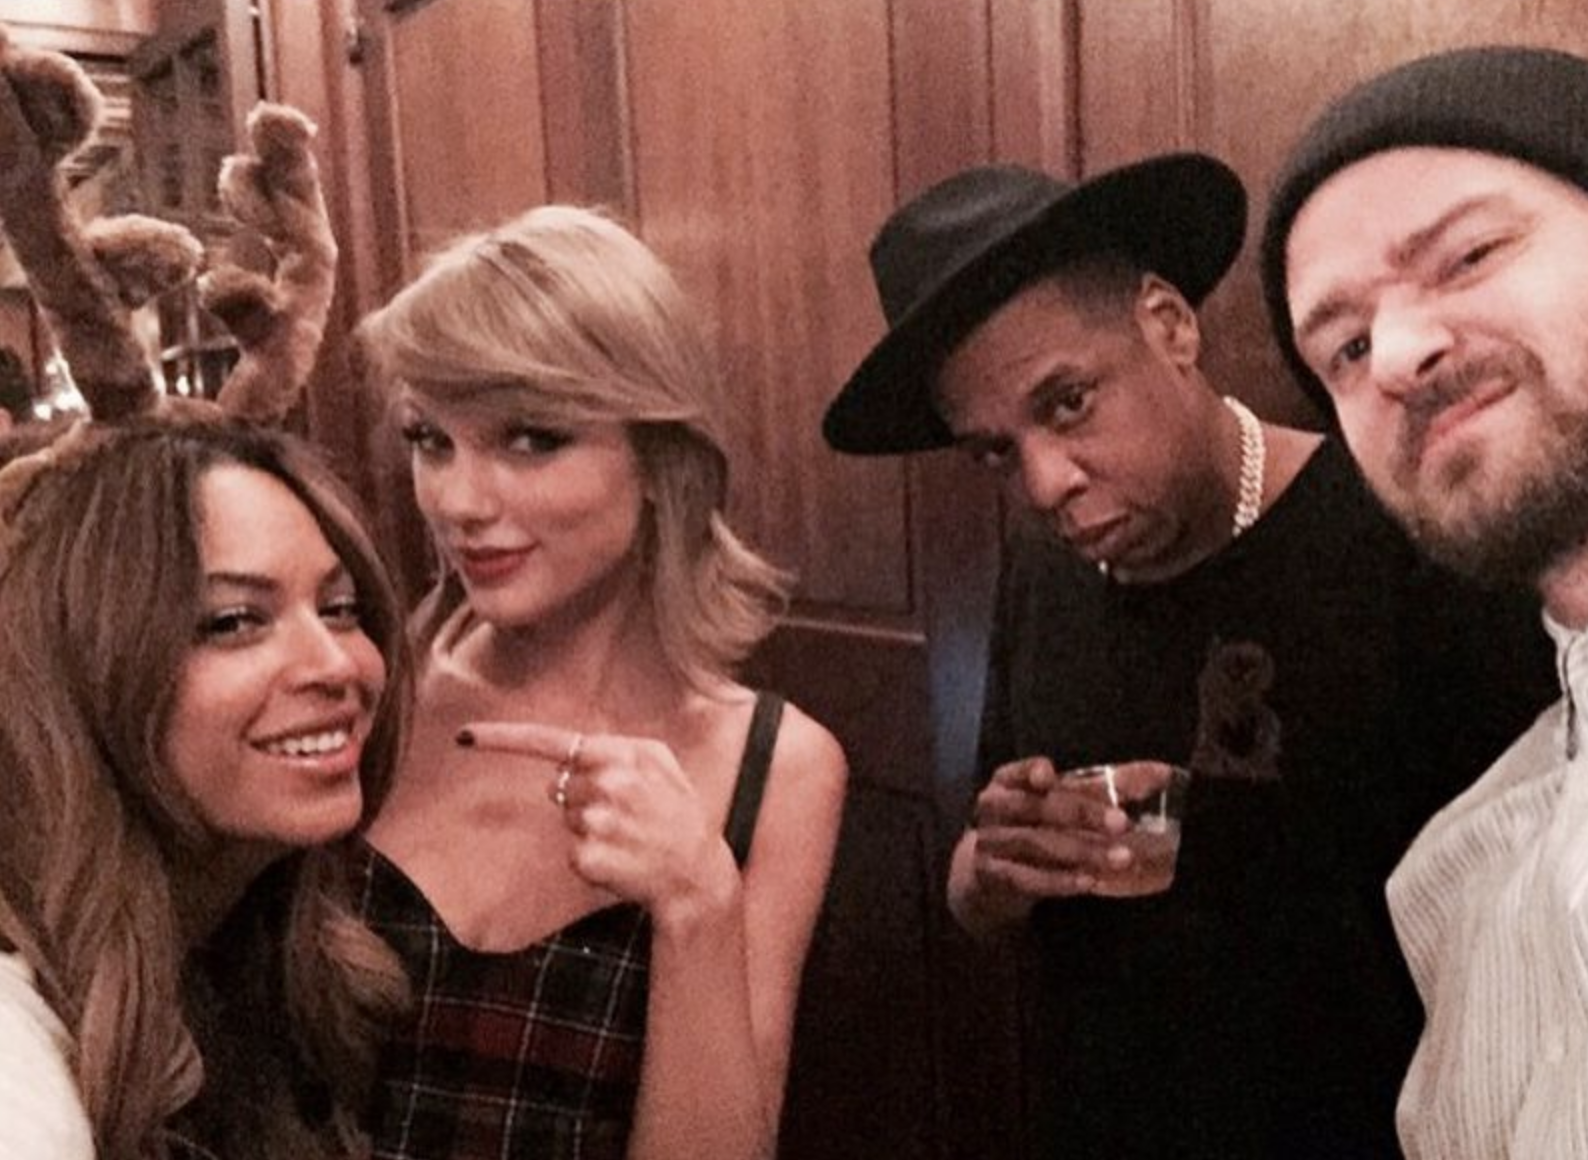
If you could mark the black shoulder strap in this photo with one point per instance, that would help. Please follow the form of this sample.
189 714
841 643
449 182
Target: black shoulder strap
753 769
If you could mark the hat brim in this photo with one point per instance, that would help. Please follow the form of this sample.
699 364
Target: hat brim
1182 216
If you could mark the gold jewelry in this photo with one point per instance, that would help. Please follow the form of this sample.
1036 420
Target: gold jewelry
1254 455
570 760
565 768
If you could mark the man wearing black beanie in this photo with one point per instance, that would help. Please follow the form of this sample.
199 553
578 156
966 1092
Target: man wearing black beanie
1424 263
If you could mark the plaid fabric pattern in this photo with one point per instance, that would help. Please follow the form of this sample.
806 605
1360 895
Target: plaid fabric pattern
530 1054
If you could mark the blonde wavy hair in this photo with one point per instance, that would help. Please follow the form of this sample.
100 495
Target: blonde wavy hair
100 591
583 323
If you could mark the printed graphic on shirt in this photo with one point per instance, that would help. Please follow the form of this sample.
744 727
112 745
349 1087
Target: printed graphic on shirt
1237 732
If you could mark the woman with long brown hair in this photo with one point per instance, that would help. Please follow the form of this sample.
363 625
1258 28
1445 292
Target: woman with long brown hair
201 668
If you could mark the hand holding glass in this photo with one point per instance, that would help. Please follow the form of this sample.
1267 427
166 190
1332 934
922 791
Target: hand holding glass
1152 795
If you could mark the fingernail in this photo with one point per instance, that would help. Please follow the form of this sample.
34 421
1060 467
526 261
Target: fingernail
465 738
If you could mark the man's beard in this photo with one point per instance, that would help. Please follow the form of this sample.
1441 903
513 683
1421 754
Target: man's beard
1524 523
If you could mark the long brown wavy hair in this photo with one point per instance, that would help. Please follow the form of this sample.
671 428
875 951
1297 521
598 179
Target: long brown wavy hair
99 597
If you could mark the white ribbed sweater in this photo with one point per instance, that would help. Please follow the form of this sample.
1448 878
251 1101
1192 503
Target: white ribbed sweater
1491 908
41 1113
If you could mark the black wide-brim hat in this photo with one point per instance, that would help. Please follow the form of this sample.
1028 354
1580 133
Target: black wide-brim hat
946 260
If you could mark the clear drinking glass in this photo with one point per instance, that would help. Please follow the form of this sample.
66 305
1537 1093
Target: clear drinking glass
1153 796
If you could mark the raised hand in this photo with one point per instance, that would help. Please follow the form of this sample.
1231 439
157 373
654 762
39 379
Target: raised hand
640 828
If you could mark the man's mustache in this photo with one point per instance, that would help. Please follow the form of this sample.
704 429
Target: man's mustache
1446 386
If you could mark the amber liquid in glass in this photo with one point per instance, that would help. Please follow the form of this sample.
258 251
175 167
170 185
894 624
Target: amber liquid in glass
1154 844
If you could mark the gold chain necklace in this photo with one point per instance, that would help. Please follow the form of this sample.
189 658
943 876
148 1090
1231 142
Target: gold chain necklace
1254 454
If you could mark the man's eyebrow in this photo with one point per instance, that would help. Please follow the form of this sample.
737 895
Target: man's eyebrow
1404 254
1060 376
1423 240
1321 315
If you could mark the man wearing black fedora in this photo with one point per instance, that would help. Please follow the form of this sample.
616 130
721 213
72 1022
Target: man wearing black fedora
1186 585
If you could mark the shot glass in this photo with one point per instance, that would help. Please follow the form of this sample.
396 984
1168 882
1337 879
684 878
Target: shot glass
1153 796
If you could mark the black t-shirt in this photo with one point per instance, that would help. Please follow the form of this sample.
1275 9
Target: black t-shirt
1330 690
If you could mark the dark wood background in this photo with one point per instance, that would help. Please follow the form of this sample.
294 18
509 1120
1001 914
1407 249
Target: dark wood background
758 144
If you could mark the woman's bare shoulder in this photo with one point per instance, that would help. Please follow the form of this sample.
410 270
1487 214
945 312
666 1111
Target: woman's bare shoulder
807 745
803 743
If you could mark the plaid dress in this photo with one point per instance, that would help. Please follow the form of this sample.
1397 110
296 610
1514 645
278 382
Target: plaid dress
533 1054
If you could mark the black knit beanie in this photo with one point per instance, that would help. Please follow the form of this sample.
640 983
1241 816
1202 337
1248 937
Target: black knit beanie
1526 103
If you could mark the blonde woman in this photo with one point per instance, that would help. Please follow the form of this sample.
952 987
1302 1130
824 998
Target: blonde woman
200 667
603 857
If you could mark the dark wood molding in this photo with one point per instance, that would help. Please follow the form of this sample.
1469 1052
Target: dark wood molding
1188 55
1036 85
589 146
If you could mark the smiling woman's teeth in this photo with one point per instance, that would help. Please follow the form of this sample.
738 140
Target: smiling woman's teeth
314 743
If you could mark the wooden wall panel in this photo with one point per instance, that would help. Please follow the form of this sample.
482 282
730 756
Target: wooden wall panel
1130 81
766 213
1035 79
466 84
941 73
585 102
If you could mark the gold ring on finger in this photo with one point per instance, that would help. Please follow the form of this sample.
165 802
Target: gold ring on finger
570 759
